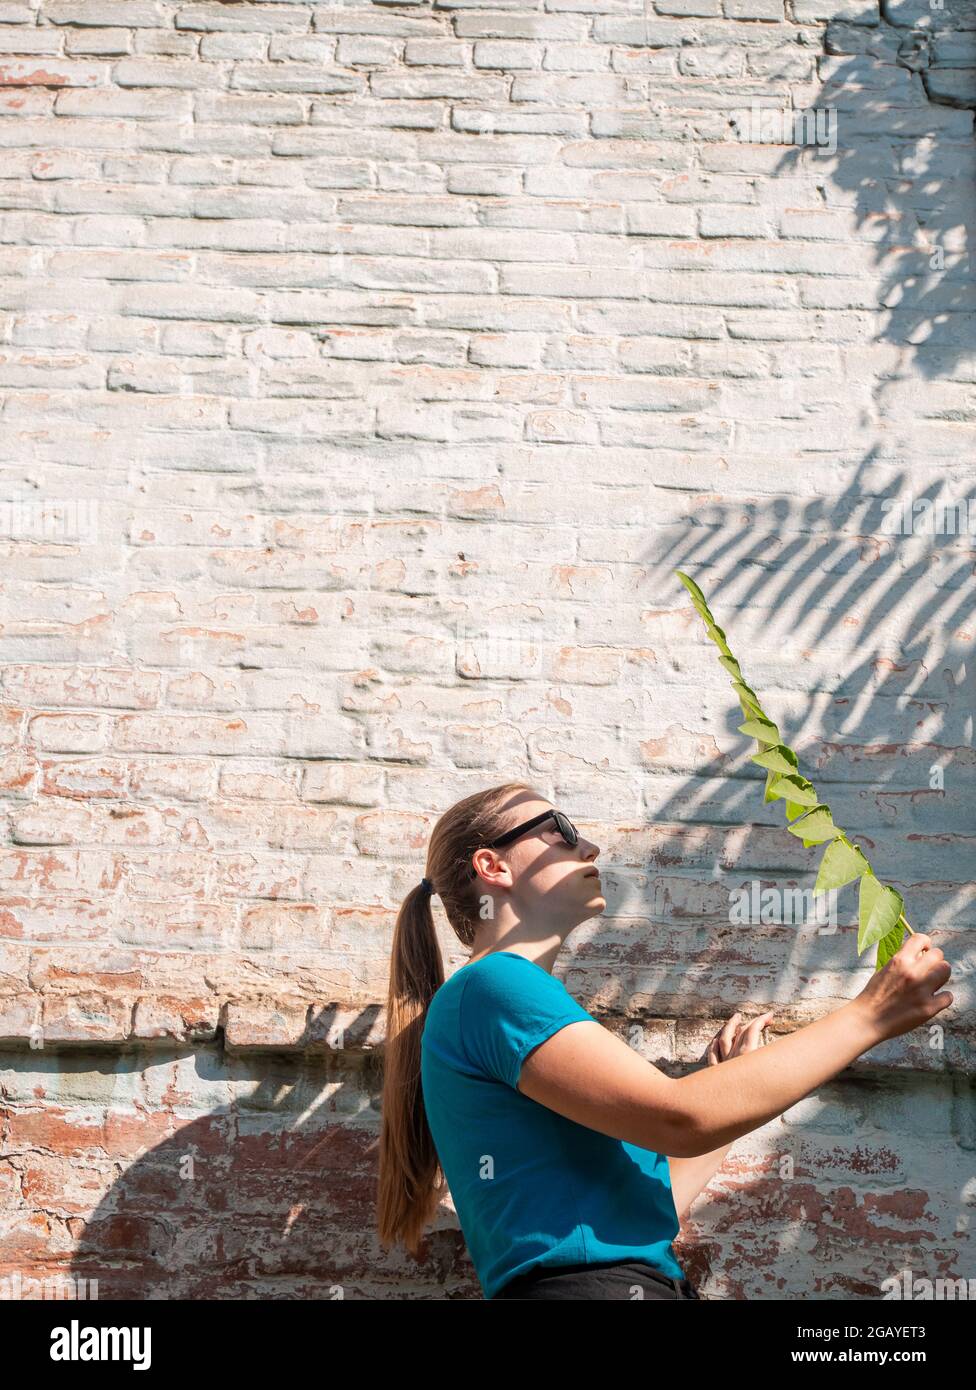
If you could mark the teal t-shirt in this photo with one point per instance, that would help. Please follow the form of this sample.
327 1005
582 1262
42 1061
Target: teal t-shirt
530 1187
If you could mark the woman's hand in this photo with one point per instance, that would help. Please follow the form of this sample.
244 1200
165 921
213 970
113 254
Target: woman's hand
735 1038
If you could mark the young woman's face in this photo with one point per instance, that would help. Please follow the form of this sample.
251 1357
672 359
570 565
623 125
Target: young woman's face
542 866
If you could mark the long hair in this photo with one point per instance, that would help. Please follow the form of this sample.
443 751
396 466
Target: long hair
411 1183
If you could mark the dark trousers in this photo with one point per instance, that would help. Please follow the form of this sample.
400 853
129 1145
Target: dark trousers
630 1279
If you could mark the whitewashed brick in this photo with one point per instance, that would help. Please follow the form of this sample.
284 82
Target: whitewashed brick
376 337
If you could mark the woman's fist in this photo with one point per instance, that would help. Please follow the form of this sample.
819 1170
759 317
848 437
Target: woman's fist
903 994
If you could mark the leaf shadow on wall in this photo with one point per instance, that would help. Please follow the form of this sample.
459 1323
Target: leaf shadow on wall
899 99
784 577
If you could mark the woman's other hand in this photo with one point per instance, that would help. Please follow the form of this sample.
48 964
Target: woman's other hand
737 1036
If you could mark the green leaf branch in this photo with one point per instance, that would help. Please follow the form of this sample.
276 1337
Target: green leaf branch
881 915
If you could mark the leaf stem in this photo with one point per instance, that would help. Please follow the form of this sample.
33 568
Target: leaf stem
904 919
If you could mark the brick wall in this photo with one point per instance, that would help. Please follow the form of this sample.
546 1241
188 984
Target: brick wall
364 372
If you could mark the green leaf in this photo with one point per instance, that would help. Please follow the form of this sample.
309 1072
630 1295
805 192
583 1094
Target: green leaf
692 587
889 944
841 864
741 685
816 827
762 729
778 759
797 790
718 637
697 597
879 908
749 700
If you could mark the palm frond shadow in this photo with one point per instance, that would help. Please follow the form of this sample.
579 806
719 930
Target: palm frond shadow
892 698
902 97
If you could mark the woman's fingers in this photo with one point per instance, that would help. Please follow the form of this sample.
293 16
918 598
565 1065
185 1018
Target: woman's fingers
751 1035
726 1034
723 1042
735 1036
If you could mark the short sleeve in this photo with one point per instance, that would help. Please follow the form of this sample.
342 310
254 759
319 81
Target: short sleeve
508 1006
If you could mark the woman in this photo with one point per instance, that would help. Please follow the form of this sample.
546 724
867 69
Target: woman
569 1157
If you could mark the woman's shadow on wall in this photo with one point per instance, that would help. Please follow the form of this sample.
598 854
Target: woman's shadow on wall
270 1195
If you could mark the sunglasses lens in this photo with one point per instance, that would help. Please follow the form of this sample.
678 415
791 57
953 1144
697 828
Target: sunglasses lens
566 828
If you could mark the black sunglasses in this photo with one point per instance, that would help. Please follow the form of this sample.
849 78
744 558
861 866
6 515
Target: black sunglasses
564 825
